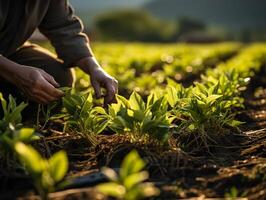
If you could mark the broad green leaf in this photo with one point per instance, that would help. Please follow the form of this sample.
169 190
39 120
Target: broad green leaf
136 102
171 96
131 164
58 165
235 123
151 99
25 134
133 179
30 157
114 109
123 100
112 189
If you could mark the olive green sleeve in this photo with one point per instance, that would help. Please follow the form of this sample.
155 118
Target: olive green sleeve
65 31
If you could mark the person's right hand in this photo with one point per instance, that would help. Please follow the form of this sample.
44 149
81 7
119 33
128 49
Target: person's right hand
36 84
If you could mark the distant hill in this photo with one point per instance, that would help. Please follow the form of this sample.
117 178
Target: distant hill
236 14
88 9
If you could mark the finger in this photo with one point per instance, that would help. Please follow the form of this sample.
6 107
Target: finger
38 99
46 96
48 88
116 86
37 96
41 100
50 79
97 88
110 95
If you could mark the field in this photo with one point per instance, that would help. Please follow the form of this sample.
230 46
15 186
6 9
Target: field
190 121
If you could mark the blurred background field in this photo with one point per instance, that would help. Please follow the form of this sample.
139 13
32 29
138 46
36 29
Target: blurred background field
173 20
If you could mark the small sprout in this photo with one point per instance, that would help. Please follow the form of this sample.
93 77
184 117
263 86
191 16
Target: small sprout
129 183
46 174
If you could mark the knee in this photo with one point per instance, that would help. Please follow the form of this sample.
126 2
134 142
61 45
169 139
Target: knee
61 74
66 78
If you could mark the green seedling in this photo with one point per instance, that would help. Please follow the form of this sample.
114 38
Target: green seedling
205 115
11 113
80 115
10 123
46 111
141 121
129 183
46 173
8 141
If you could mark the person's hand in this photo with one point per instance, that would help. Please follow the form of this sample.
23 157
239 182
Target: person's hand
99 78
36 84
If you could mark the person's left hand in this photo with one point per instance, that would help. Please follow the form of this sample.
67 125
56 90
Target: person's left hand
99 78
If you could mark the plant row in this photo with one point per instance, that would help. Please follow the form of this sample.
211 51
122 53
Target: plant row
141 67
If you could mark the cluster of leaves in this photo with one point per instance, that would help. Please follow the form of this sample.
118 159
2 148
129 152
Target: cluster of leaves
13 139
204 112
80 114
46 173
10 123
129 183
142 121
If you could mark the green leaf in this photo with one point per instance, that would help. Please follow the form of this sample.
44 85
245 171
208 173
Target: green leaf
151 99
112 189
136 102
15 116
58 165
131 164
171 96
123 100
235 123
25 134
99 110
30 157
212 98
4 103
133 179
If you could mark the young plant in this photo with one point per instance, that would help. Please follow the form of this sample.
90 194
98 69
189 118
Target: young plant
129 183
8 141
46 111
80 115
46 174
11 113
10 123
141 121
206 116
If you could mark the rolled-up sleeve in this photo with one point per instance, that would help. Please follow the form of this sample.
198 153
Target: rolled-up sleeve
65 31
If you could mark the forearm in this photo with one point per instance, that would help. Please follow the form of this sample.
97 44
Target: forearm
8 69
88 64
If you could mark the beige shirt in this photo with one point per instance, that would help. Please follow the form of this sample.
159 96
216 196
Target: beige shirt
54 18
